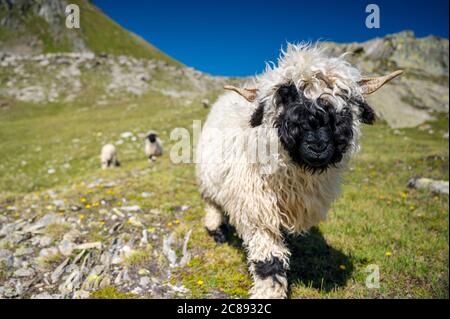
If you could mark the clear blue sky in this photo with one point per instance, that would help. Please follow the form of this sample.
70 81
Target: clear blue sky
232 37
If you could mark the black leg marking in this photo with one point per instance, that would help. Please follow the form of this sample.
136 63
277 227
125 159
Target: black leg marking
219 234
270 268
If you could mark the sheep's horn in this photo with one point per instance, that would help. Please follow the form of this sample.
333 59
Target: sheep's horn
248 94
370 85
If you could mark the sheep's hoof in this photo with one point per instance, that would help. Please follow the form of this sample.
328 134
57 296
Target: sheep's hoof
219 234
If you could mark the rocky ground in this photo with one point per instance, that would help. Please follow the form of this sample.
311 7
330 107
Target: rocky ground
49 78
56 246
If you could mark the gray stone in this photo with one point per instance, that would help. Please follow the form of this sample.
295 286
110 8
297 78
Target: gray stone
66 247
144 281
23 252
24 272
45 241
434 186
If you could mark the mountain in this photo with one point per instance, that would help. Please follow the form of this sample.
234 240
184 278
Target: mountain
421 92
38 26
101 54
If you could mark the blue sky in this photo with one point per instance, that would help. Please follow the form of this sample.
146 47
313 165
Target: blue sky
232 37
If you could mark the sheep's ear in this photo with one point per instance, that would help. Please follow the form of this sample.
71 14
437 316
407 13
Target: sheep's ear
370 85
248 94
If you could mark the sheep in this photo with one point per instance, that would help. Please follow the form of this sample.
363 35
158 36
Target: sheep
152 146
108 156
311 106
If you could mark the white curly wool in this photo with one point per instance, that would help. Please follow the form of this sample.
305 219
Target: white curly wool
108 156
291 199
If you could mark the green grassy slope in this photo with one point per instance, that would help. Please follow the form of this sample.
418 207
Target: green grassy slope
98 32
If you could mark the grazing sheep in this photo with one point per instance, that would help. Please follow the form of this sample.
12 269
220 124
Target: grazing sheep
311 106
152 146
108 156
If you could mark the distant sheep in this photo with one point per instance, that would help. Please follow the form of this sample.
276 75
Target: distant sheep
152 146
311 106
108 156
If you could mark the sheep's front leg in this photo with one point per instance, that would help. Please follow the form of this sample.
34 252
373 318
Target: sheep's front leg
214 222
268 260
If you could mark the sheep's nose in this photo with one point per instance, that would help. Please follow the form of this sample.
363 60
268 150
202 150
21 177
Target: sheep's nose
317 146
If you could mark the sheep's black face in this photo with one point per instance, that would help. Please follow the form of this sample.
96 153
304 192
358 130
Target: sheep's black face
152 138
315 135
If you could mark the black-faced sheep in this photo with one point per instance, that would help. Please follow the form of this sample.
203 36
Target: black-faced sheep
311 106
152 146
108 156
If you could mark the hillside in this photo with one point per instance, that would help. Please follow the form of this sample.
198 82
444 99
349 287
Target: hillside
34 27
421 93
71 230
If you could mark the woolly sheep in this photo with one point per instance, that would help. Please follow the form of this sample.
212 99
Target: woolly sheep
311 106
152 146
108 156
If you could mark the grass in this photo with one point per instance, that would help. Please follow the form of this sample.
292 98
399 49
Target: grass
111 292
97 31
376 221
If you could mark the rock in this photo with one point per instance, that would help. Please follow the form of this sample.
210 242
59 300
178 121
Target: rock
46 295
49 252
131 209
23 251
45 241
146 194
144 281
430 184
168 251
24 272
11 290
81 294
5 254
186 255
144 239
75 208
66 247
180 209
59 270
126 135
445 136
122 254
72 282
137 291
6 257
95 245
43 222
72 235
